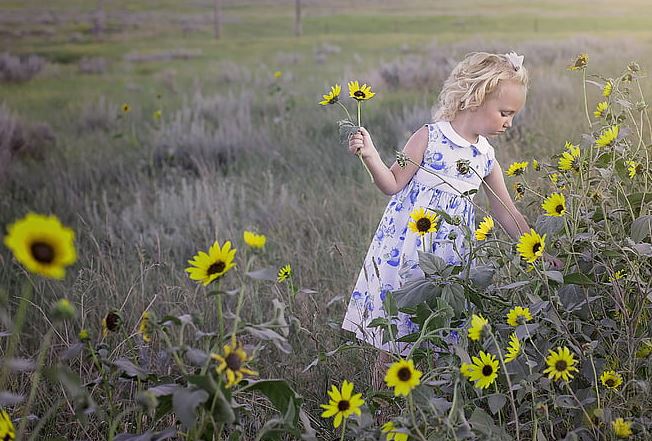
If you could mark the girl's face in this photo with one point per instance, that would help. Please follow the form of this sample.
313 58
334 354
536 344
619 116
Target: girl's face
495 115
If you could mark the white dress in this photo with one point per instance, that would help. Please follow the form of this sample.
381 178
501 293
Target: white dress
392 259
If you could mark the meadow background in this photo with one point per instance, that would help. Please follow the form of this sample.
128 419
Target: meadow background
241 143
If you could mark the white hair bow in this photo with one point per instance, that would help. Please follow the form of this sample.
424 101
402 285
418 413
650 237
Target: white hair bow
515 59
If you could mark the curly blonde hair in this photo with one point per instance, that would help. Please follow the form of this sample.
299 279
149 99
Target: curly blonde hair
472 80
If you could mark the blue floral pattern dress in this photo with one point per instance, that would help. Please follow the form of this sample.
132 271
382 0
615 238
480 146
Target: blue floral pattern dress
392 259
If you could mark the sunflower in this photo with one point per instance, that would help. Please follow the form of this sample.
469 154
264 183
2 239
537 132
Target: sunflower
7 431
622 428
403 377
484 228
232 362
157 115
209 267
535 165
514 348
607 88
570 158
111 322
611 379
634 168
278 74
555 205
560 364
531 246
145 327
618 275
391 434
42 245
517 168
608 137
84 336
519 190
483 370
478 324
333 96
580 63
360 93
284 273
254 240
518 316
423 222
600 109
126 108
342 403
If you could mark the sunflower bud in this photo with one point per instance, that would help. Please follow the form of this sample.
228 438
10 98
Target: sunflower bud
63 310
452 235
84 336
633 67
401 159
463 166
456 220
641 106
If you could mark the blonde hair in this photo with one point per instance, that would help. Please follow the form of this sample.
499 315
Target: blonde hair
472 80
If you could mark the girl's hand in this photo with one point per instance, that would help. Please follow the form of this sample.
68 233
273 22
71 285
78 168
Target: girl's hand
360 143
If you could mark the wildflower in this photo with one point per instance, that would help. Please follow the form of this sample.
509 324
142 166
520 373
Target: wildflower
535 165
617 275
531 246
514 348
622 428
403 377
278 74
391 433
254 240
232 362
484 228
126 108
570 158
111 322
463 166
42 245
607 137
580 62
7 431
64 310
607 88
342 403
560 364
84 336
157 115
634 168
209 267
145 327
611 379
483 370
519 190
517 168
360 93
600 109
423 222
554 205
518 316
333 96
284 273
478 325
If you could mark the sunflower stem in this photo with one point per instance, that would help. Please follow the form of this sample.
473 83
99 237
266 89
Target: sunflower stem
509 385
343 429
586 103
414 419
346 110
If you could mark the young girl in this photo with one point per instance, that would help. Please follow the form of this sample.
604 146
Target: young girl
480 98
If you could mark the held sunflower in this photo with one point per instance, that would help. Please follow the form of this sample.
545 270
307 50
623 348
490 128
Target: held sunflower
207 268
483 371
360 93
530 246
403 377
333 96
342 403
423 222
561 364
232 363
554 205
485 227
42 245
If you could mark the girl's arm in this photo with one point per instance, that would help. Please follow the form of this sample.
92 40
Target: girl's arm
390 180
502 206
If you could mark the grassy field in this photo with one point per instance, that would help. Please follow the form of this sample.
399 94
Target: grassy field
237 148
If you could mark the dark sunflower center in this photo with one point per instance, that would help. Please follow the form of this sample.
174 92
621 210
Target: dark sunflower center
333 100
216 268
610 382
536 247
233 362
343 405
359 94
559 208
423 224
487 370
404 374
42 252
561 366
112 321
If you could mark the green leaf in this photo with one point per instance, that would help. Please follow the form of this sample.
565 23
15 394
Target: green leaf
482 275
185 402
555 276
279 392
416 292
636 199
496 402
270 335
130 370
430 263
578 279
641 228
549 225
453 295
223 410
483 423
